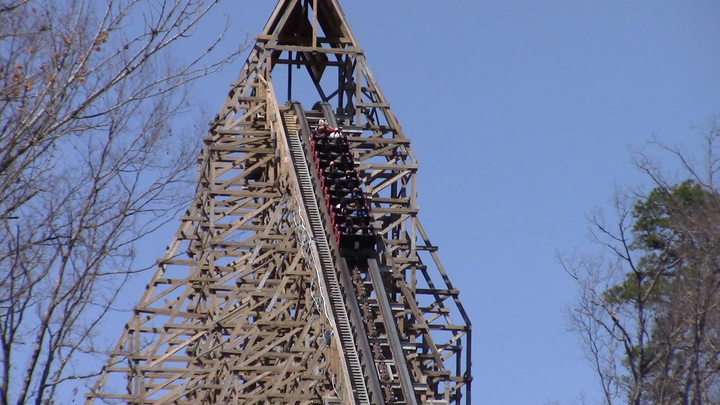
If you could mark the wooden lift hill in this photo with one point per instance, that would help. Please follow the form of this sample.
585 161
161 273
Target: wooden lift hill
255 301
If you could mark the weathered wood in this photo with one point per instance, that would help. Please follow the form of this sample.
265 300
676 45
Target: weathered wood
236 311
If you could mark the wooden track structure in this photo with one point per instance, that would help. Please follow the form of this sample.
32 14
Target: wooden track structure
240 309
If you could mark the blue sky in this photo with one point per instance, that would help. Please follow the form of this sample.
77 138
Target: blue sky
521 114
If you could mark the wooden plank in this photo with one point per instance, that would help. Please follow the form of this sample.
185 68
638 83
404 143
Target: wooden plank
384 166
358 139
317 49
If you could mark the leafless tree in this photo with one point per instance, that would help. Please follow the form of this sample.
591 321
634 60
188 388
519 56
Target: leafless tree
96 139
648 311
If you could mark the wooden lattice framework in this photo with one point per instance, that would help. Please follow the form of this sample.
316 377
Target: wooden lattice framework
236 311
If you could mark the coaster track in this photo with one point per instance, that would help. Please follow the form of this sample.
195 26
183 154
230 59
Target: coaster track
365 320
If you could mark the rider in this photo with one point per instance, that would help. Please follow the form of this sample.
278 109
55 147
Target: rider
323 128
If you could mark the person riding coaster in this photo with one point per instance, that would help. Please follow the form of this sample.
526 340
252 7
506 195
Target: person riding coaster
324 129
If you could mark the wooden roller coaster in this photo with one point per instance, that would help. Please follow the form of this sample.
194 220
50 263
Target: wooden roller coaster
288 282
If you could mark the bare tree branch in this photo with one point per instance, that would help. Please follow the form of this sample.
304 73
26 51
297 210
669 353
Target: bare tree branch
95 149
648 317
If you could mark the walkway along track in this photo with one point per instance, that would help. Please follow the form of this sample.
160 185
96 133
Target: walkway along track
295 121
